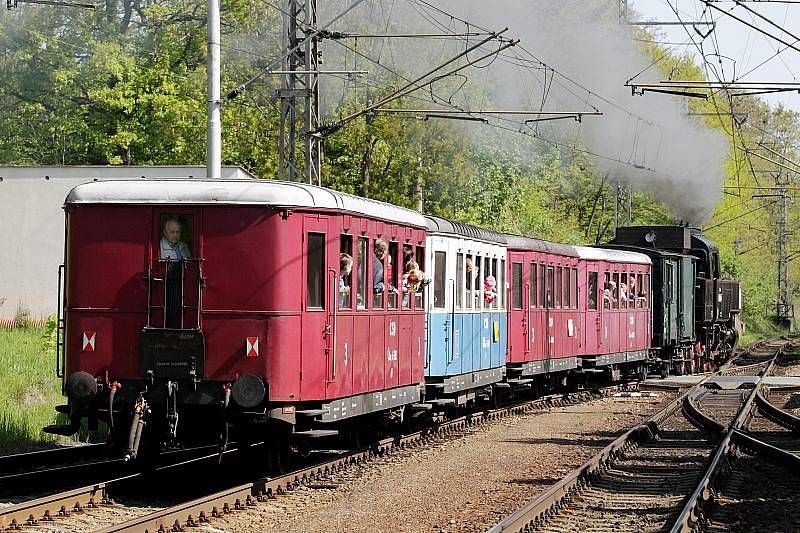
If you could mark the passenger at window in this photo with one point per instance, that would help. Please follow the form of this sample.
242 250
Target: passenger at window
171 245
378 281
623 294
489 289
412 281
345 267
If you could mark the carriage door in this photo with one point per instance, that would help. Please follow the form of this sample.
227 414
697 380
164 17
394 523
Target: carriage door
519 335
320 283
175 270
670 323
594 311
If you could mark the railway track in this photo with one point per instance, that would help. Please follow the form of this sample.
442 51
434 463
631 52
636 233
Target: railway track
218 502
659 475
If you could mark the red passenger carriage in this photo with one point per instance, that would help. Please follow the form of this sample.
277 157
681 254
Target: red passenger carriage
250 319
544 328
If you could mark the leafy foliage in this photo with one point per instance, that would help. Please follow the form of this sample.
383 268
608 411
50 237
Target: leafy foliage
126 85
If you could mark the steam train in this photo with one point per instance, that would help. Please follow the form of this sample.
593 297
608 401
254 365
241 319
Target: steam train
188 307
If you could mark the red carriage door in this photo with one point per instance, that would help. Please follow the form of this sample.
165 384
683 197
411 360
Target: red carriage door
320 299
519 334
175 270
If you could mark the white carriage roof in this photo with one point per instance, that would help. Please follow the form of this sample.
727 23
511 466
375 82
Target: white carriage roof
271 193
612 256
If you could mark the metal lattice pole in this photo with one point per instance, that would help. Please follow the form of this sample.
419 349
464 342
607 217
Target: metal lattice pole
783 307
299 95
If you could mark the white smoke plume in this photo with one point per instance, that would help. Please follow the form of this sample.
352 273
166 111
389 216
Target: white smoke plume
646 142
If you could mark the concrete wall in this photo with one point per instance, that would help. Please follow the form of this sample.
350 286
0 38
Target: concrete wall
32 226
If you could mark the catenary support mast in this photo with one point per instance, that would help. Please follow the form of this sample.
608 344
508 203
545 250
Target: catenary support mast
299 95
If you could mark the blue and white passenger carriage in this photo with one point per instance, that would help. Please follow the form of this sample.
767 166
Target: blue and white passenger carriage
466 320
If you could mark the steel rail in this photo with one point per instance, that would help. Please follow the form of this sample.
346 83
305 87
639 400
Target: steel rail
62 504
692 511
12 464
203 509
540 509
777 415
549 502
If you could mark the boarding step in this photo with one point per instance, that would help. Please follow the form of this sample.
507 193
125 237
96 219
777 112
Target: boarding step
311 412
316 433
502 385
594 370
520 381
421 406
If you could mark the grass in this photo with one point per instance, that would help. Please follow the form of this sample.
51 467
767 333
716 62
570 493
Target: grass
757 328
29 388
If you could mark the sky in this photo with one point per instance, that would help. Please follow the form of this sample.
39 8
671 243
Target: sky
742 50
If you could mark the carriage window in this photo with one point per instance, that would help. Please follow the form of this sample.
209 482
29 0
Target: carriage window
646 292
470 276
176 236
501 283
409 288
607 294
550 287
534 286
315 271
592 291
486 274
421 263
575 288
496 276
623 290
394 280
558 287
615 291
567 293
439 278
516 282
361 272
345 271
632 290
460 284
380 281
542 286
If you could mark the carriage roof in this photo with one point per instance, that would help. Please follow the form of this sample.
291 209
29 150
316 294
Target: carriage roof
271 193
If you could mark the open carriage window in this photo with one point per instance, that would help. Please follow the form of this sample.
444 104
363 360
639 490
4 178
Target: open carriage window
410 282
176 236
615 291
345 272
608 294
460 281
393 278
623 290
361 273
420 295
380 279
